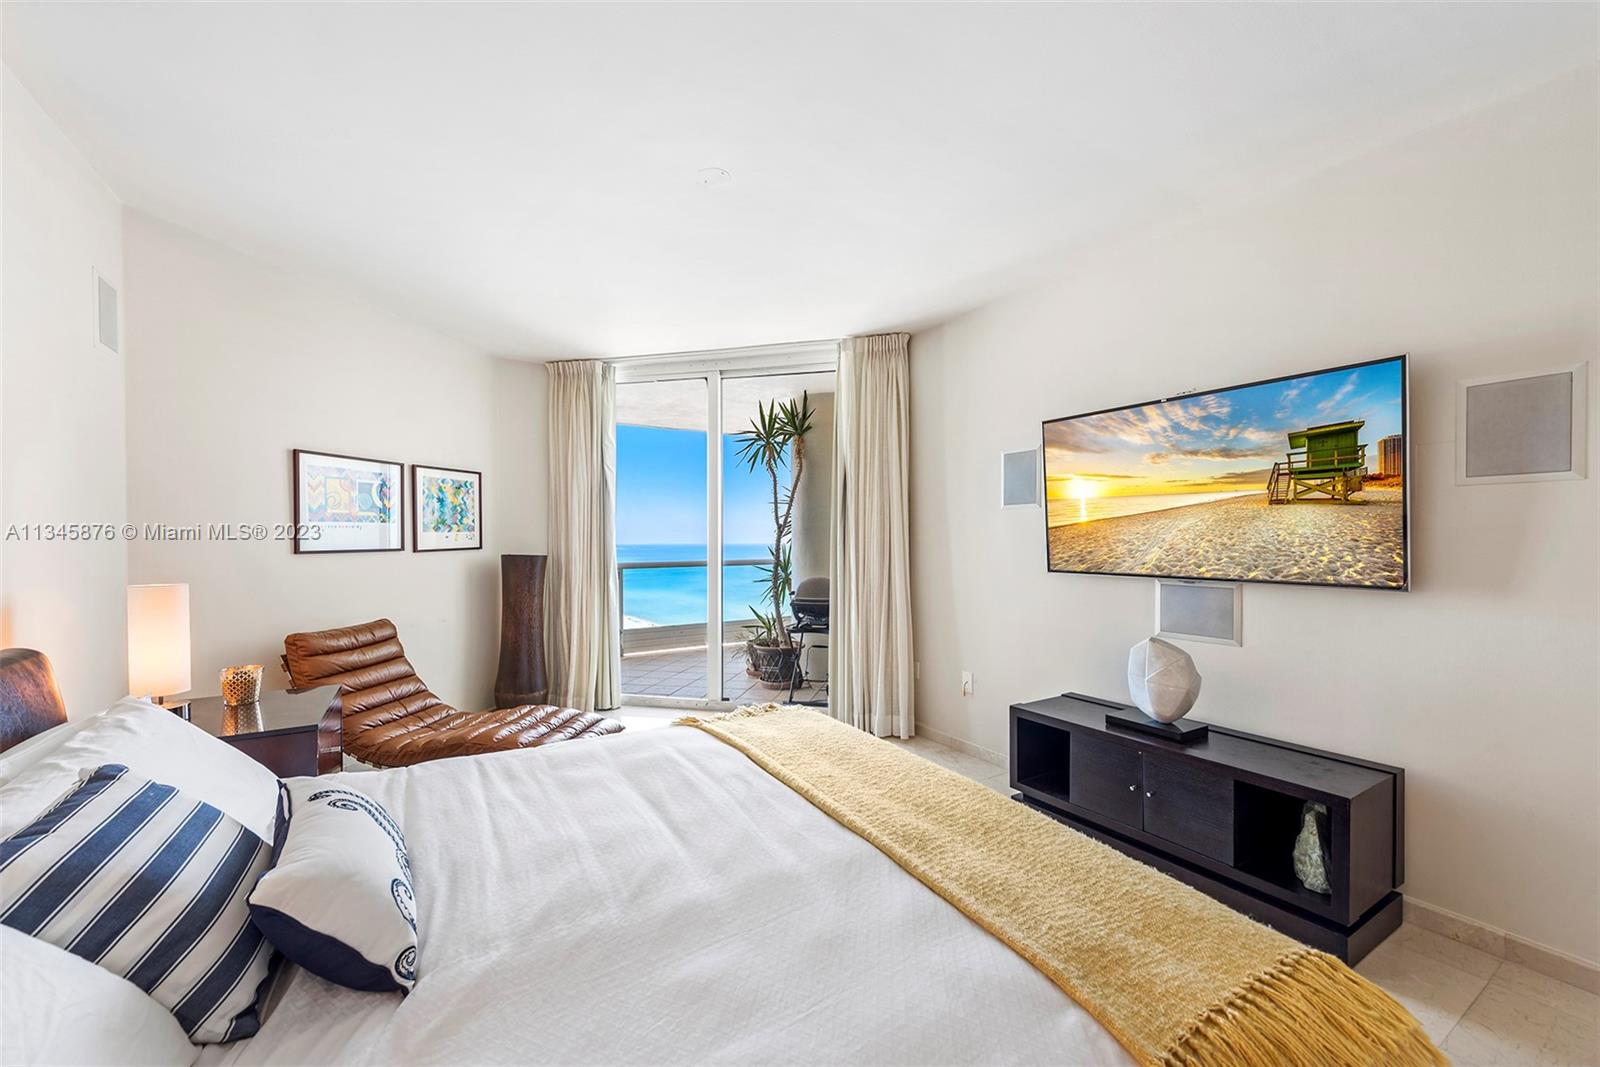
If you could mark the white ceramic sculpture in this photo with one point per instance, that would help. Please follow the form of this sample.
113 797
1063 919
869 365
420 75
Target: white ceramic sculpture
1162 679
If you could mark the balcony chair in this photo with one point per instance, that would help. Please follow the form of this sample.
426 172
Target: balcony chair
391 719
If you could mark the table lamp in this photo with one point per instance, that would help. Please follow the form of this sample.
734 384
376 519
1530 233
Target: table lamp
158 642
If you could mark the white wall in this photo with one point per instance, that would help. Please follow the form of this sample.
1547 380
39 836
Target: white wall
519 495
231 364
62 452
813 498
1473 248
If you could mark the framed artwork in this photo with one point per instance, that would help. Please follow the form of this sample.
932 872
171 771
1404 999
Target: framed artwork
447 509
347 503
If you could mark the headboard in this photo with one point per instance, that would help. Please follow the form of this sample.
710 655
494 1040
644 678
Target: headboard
30 703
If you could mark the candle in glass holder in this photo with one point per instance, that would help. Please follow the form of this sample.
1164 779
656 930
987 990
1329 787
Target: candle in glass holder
240 685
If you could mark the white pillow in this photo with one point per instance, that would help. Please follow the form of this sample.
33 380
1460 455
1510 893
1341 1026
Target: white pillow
338 899
56 1008
24 754
154 743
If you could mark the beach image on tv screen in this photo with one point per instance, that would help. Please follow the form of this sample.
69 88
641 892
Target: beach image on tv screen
1296 480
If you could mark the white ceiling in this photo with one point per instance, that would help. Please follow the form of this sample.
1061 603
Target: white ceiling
525 177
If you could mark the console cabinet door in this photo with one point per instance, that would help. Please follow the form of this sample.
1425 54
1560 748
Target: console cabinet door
1189 806
1103 776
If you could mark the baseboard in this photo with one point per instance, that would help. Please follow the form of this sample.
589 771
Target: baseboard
988 755
1545 960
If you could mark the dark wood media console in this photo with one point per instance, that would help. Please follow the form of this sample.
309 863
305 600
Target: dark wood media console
1222 815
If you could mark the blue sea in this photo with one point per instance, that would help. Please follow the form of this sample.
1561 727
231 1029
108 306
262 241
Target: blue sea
673 596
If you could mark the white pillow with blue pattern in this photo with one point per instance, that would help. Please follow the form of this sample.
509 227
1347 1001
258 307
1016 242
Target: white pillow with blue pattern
152 885
338 899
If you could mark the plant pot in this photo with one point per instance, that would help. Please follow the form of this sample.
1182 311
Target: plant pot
775 665
750 667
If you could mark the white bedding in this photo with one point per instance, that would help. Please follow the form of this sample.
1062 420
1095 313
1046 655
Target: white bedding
658 898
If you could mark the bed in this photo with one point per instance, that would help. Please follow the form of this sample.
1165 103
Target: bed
628 902
653 897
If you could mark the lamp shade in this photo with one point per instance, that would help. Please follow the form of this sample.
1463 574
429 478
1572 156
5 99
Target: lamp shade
158 639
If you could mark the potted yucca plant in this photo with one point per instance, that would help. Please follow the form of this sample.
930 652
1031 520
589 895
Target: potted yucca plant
776 435
763 633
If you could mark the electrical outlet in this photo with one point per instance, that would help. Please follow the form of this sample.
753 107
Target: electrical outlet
966 683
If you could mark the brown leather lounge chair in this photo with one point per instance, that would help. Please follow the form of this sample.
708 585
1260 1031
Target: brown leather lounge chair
392 720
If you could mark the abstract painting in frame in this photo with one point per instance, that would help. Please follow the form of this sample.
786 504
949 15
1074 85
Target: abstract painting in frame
347 503
447 509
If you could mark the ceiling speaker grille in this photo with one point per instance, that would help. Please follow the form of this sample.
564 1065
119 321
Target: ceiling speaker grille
1019 482
1200 612
105 313
1522 426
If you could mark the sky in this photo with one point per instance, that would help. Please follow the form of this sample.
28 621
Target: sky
1214 442
661 490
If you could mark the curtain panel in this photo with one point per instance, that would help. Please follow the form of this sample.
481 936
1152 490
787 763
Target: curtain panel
583 638
870 645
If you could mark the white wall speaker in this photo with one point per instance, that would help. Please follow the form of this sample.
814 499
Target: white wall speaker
1020 479
1523 427
107 312
1200 611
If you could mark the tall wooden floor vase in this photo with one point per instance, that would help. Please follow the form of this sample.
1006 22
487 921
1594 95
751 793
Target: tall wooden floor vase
521 678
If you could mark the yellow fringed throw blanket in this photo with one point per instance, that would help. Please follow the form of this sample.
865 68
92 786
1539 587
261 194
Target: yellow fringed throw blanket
1176 977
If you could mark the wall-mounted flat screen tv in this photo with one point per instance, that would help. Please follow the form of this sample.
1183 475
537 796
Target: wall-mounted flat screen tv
1299 479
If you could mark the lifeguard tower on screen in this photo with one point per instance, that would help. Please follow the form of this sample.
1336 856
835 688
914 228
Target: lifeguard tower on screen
1325 462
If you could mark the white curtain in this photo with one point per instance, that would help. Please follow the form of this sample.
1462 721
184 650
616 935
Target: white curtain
870 644
582 632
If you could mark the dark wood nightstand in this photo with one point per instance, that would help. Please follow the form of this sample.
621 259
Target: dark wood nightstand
289 733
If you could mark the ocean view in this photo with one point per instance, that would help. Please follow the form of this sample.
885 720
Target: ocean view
1067 512
674 596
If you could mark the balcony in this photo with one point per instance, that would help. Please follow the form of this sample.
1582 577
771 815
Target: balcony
670 661
672 476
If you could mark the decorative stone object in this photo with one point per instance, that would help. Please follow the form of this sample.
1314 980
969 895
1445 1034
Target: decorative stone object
1311 854
1162 679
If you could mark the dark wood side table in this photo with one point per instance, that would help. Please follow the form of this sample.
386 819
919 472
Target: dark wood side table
290 733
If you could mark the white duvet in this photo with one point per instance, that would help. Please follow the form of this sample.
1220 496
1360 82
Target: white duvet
657 898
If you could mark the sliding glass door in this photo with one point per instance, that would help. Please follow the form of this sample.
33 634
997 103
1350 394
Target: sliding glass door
696 532
775 512
662 493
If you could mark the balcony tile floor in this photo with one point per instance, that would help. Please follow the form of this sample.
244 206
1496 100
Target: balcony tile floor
681 673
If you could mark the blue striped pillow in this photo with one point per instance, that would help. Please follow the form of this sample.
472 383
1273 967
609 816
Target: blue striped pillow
152 886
